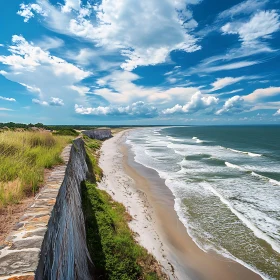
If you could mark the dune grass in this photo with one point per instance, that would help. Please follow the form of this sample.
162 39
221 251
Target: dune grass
114 252
23 158
92 148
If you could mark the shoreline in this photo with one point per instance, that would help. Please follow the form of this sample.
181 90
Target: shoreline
156 224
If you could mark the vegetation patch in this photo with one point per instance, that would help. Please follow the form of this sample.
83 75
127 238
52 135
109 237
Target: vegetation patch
66 132
24 156
92 148
114 252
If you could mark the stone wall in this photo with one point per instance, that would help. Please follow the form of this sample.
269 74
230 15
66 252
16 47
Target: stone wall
100 134
49 242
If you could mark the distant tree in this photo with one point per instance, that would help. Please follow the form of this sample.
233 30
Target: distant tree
40 125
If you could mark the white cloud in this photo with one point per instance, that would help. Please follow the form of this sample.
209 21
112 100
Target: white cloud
139 29
119 87
137 109
71 5
84 56
103 59
235 104
27 11
277 113
260 26
40 102
245 7
55 101
40 72
142 30
7 99
253 35
25 55
267 105
229 66
262 93
231 92
197 102
82 90
32 88
223 82
220 62
5 109
48 43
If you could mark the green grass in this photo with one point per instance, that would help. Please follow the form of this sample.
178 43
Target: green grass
23 157
66 132
93 144
92 148
114 252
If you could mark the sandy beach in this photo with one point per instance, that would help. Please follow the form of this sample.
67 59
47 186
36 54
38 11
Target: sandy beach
156 224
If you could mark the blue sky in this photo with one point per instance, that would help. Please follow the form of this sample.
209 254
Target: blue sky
140 62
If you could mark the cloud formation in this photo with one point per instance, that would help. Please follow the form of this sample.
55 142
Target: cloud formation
40 102
40 72
5 109
235 104
7 99
243 8
138 29
261 26
138 109
198 102
105 41
119 87
27 11
223 82
54 101
262 93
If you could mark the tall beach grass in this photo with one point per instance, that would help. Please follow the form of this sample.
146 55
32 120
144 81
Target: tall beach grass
23 158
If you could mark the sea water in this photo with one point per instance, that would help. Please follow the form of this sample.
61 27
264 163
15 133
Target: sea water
226 183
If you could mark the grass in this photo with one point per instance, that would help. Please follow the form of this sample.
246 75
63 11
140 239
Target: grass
66 132
114 252
92 148
23 157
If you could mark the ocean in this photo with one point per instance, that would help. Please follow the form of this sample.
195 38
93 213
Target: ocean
226 184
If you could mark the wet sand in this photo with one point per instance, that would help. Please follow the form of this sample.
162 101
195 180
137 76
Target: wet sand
156 223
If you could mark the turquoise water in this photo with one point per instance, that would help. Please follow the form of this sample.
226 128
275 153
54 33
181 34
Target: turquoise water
226 183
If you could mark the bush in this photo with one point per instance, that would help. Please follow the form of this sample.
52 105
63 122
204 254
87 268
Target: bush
66 132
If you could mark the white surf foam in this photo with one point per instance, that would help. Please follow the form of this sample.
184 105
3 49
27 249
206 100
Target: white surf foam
175 139
251 226
228 164
246 153
167 176
197 140
272 181
178 207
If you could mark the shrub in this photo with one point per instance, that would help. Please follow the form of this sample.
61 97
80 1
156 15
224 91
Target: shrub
66 132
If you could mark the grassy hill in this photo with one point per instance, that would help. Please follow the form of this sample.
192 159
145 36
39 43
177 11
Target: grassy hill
23 158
